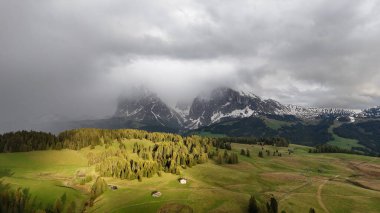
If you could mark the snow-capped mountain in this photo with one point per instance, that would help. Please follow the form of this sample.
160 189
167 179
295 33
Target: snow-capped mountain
313 112
143 109
224 103
146 107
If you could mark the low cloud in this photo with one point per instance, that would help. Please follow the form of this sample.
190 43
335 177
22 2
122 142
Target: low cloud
72 60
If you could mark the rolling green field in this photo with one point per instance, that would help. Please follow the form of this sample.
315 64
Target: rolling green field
326 182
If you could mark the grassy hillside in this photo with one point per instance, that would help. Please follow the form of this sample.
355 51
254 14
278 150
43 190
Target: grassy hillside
366 132
344 143
332 182
48 174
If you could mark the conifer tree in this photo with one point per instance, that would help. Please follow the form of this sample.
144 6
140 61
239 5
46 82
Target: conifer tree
253 207
242 152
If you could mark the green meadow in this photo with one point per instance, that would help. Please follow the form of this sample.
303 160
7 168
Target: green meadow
299 181
344 143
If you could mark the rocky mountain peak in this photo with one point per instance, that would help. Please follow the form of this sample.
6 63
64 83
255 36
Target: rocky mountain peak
140 108
146 107
224 103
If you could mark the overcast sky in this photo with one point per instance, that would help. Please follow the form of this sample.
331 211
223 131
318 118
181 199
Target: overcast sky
72 59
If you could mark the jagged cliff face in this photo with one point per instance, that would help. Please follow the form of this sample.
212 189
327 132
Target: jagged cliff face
225 103
147 108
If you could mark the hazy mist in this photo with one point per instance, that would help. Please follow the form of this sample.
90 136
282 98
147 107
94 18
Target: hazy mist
71 60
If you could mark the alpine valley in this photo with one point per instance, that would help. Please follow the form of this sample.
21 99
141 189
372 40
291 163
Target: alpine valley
228 112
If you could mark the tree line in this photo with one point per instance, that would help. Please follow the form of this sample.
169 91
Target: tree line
24 141
272 141
326 148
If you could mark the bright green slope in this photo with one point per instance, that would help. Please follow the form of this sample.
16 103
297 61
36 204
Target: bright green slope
294 180
45 173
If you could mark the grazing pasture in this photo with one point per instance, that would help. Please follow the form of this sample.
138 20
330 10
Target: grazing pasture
299 181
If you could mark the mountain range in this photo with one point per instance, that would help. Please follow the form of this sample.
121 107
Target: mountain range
221 104
228 112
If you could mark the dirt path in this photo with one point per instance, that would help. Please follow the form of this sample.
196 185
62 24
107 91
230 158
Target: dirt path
319 197
319 194
293 190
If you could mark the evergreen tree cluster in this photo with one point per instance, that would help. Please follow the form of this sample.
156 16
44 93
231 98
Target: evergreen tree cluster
245 152
98 188
166 156
220 143
24 141
271 205
226 157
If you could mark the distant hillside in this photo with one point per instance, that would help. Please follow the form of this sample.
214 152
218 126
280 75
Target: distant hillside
367 133
296 132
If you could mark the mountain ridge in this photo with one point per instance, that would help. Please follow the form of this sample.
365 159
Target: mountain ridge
220 104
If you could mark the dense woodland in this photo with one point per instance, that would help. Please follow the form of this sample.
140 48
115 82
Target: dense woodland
24 141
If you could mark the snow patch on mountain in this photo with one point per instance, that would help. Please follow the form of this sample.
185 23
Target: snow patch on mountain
126 113
237 113
194 124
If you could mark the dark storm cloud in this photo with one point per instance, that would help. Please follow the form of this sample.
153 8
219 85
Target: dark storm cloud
72 59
